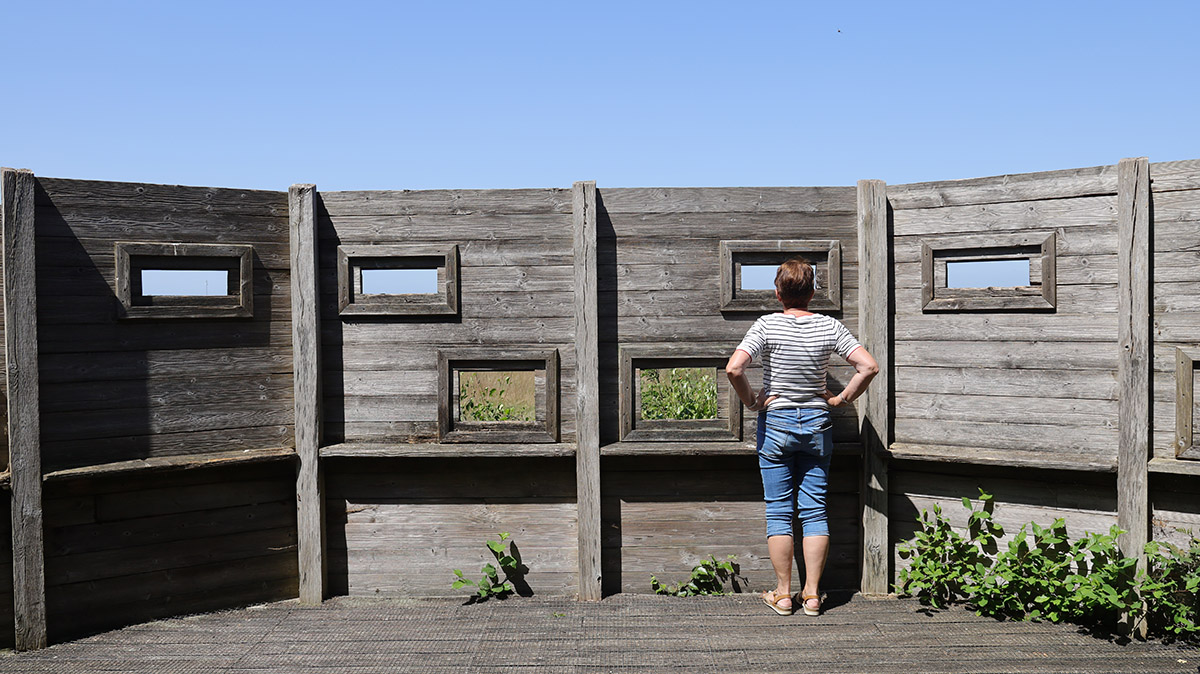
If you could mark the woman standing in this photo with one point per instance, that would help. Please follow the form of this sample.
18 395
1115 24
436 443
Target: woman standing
795 431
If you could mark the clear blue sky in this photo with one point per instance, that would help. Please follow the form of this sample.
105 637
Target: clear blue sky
355 95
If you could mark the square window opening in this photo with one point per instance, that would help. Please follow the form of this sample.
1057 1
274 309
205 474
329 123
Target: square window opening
383 280
748 273
180 280
676 393
1018 273
498 395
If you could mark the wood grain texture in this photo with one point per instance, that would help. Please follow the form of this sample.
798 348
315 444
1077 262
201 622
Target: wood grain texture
587 398
1097 180
874 244
306 349
24 430
1133 368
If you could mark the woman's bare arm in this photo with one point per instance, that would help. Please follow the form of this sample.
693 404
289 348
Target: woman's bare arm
865 369
735 369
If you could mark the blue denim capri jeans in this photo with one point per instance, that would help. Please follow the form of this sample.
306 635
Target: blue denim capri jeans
794 449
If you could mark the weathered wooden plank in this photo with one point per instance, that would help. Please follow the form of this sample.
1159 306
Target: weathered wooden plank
1100 239
154 392
446 202
639 200
1169 176
1040 216
67 368
976 381
1175 237
1030 408
306 348
1096 180
499 331
24 430
152 464
435 450
587 398
993 456
1073 270
125 337
97 194
1012 355
875 303
1072 300
242 412
64 454
118 223
1094 442
1133 367
645 249
1007 327
520 231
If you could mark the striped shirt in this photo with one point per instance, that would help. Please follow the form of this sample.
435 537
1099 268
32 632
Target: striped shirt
795 355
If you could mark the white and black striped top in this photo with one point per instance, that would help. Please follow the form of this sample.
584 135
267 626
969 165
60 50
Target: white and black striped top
795 355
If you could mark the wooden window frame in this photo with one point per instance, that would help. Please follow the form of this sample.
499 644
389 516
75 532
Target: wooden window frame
935 296
827 298
352 259
451 430
654 356
131 257
1185 369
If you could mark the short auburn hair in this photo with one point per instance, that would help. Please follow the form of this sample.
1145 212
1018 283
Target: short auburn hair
795 282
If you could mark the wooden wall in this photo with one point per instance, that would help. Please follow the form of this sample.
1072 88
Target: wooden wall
115 390
1175 204
380 374
127 549
1033 384
663 507
400 526
6 571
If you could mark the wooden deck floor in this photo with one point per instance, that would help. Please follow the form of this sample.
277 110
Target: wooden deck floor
626 633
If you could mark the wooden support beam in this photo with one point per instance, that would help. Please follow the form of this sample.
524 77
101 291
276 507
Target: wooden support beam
306 349
24 431
874 271
1135 359
587 372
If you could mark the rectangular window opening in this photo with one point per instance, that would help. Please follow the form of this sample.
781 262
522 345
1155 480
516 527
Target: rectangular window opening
185 282
680 393
399 281
498 395
748 269
988 273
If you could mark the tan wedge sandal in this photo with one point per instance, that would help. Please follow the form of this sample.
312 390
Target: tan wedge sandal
811 611
771 599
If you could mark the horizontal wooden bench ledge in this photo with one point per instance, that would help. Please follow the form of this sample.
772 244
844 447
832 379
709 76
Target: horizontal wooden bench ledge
163 463
440 450
702 449
1175 466
989 456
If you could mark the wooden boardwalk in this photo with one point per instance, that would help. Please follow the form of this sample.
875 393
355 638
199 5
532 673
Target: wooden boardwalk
625 633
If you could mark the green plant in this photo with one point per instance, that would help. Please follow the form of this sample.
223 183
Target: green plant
708 577
680 393
943 563
480 402
1169 586
489 584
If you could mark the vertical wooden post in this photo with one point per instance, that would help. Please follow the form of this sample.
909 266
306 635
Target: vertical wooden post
874 273
306 354
1133 368
24 430
587 373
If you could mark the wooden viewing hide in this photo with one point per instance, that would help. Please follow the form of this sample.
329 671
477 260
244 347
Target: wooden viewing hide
301 436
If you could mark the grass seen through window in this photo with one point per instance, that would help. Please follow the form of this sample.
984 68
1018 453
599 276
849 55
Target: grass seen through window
678 393
496 396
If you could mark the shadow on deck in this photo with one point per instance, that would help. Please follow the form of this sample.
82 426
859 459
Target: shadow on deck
624 633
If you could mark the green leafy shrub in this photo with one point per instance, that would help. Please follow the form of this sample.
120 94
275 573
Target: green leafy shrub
679 393
708 577
1170 586
943 563
490 584
1043 575
477 401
